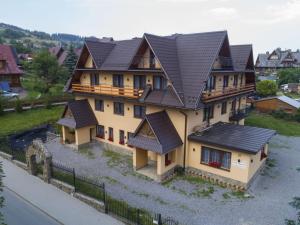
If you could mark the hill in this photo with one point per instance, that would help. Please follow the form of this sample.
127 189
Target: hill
26 41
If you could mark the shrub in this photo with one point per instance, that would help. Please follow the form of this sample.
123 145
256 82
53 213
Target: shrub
266 88
1 106
18 106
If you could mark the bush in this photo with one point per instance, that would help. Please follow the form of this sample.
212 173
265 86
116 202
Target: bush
266 88
18 106
1 106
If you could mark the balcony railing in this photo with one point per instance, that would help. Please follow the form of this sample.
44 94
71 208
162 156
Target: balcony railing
140 62
108 90
226 92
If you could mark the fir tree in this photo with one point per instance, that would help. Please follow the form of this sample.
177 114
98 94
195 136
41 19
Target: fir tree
70 60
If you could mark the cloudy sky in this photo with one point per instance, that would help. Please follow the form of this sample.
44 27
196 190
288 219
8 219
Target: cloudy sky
266 24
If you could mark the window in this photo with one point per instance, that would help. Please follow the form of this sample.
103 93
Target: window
139 111
159 83
225 81
208 113
129 135
168 158
110 134
235 80
263 153
100 131
118 80
224 108
99 105
139 82
119 108
242 79
94 78
215 158
233 105
211 83
121 137
152 60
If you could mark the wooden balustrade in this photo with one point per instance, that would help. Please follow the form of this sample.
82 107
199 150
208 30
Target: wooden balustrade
214 94
108 90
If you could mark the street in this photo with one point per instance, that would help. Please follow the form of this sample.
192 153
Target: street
19 211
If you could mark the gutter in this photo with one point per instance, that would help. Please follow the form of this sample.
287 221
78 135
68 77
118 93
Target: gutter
185 138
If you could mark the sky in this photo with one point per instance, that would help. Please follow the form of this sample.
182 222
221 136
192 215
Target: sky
267 24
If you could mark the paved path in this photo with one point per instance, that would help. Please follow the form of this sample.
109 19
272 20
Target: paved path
58 204
35 106
18 211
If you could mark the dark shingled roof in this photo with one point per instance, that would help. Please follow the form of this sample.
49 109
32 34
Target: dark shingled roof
166 135
82 112
240 56
186 60
234 137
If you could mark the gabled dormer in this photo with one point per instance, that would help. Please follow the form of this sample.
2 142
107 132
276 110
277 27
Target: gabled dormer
85 60
145 58
275 55
224 60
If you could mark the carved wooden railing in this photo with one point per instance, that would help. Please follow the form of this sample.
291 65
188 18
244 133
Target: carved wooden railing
108 90
215 94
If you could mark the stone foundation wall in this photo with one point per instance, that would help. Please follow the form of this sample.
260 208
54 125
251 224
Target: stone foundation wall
222 181
114 148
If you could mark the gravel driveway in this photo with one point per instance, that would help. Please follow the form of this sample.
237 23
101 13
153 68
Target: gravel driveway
193 201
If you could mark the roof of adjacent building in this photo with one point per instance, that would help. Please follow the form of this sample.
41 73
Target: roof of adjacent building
61 54
186 59
166 136
234 137
8 54
290 101
264 60
82 115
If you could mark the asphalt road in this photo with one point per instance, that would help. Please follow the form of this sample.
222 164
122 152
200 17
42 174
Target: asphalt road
18 211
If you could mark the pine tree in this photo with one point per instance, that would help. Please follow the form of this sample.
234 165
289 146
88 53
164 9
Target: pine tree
70 60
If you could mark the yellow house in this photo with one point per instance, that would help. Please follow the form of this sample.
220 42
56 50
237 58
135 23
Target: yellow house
162 98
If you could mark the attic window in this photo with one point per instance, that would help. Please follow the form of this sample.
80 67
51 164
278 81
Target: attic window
2 64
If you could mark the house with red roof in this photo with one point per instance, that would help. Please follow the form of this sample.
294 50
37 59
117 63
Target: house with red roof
9 70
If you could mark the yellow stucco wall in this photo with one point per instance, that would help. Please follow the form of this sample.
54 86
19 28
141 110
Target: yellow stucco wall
241 171
140 158
82 135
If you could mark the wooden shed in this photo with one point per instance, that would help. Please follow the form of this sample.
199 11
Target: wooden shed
270 104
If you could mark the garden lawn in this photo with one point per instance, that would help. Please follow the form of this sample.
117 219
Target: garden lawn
16 122
284 127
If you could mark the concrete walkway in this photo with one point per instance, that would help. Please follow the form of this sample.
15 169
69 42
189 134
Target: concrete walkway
56 203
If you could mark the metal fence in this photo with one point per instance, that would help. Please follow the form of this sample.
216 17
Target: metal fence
96 189
16 154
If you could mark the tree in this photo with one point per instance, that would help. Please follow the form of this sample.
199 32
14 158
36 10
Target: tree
291 75
70 60
47 71
266 88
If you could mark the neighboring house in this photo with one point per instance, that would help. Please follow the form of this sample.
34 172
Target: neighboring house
167 100
9 70
61 54
284 103
291 87
267 63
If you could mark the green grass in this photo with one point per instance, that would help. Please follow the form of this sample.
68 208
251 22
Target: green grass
16 122
85 150
283 127
205 192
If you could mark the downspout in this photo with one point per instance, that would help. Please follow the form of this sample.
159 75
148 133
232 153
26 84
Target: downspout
185 137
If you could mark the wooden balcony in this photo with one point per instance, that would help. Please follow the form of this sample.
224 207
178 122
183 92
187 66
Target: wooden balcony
209 96
108 90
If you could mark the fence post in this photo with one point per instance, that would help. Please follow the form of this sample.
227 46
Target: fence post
159 219
138 217
12 153
105 200
74 179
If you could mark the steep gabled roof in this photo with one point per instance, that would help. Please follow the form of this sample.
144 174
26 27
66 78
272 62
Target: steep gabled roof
8 56
166 136
99 51
121 55
240 56
186 60
82 113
